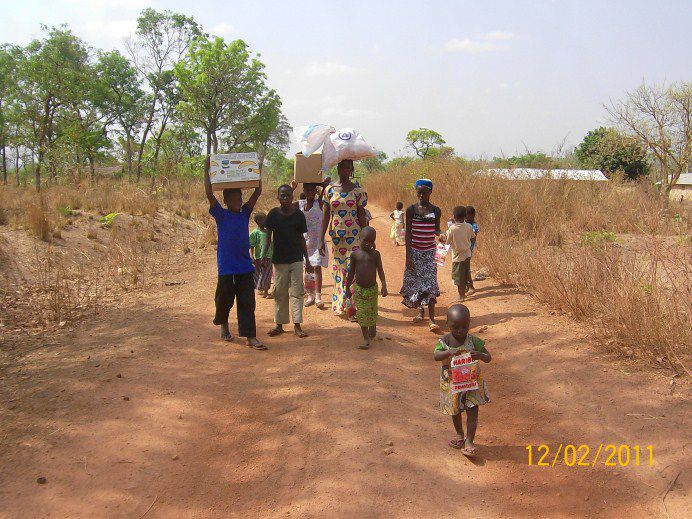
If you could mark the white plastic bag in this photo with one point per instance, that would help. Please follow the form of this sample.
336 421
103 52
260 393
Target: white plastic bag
310 138
441 254
344 144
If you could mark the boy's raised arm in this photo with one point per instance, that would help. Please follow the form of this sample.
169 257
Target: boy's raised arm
207 186
255 195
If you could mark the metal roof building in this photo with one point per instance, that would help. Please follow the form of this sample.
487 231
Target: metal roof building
534 174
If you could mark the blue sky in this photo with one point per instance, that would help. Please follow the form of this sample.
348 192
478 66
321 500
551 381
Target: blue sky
493 77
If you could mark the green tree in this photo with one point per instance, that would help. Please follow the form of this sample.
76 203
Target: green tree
8 66
538 160
660 118
160 41
423 140
372 164
610 151
222 87
50 77
122 98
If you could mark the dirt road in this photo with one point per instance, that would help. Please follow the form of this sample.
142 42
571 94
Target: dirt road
144 412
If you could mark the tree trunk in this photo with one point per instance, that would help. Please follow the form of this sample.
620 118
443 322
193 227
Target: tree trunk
4 164
92 169
37 171
147 128
16 165
128 153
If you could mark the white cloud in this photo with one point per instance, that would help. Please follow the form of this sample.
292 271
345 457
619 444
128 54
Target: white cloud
499 35
349 113
221 29
114 29
488 43
330 68
111 4
469 46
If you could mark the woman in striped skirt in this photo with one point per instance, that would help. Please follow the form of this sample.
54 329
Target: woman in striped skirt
420 288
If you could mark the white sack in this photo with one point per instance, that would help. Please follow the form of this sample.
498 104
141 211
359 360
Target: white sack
344 144
310 138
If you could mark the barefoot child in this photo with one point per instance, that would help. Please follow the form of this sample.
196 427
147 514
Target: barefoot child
366 265
285 228
471 220
460 341
235 271
397 232
459 237
263 275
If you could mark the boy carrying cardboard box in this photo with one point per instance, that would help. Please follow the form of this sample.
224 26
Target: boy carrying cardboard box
235 282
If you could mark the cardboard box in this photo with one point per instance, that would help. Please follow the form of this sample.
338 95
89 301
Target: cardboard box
307 169
234 170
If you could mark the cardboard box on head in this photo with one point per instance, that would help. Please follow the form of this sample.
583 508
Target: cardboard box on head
234 170
308 169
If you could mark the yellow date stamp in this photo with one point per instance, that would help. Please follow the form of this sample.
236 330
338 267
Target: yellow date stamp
607 455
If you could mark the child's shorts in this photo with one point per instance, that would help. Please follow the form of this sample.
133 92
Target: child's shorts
366 305
459 271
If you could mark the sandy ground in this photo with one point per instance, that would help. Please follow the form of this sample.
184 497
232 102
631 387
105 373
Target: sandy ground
144 412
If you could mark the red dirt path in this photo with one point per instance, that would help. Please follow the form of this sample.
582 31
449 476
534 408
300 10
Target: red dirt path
214 429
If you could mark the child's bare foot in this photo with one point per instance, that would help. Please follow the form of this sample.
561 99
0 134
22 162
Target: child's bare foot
226 334
469 449
457 442
365 346
255 344
299 331
277 330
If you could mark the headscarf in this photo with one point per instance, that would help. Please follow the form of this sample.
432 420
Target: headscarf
424 182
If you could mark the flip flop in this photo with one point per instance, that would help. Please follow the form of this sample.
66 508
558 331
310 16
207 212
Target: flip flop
300 334
274 332
457 443
469 453
417 319
259 346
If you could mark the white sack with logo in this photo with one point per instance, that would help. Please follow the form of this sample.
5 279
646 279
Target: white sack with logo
344 144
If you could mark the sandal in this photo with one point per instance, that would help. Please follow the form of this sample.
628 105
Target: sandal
418 319
300 334
275 331
257 346
457 443
469 453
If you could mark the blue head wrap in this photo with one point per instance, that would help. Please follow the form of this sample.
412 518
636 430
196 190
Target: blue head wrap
424 182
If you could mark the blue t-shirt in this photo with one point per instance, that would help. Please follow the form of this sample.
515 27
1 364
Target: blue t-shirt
233 251
474 226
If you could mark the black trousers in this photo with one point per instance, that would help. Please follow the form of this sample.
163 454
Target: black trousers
238 288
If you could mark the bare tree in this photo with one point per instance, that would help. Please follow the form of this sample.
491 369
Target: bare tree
660 117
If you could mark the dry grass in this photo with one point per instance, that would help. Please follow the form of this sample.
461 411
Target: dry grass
635 292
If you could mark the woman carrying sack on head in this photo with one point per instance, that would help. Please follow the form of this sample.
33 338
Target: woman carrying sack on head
344 216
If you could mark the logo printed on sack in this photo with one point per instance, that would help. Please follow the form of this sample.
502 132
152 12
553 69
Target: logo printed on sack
345 136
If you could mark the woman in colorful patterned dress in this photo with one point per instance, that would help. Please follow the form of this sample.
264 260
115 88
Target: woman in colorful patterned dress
344 216
420 288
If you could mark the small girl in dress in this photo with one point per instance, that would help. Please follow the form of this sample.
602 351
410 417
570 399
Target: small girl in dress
398 227
459 341
314 213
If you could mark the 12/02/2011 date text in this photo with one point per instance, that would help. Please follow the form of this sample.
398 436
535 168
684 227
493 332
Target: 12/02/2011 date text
608 455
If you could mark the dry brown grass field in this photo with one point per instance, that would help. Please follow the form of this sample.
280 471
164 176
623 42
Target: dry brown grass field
600 252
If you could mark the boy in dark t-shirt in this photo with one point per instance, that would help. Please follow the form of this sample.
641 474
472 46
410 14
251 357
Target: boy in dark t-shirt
286 227
235 270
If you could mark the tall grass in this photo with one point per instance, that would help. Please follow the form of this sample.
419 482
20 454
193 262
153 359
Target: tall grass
635 291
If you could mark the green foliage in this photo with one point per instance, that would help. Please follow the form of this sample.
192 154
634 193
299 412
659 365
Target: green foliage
593 238
278 167
372 164
538 160
65 210
424 141
107 221
608 150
